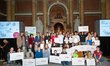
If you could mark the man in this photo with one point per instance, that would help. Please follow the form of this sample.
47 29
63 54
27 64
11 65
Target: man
5 49
37 39
26 40
47 38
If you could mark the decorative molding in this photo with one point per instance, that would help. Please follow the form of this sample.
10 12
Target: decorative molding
92 12
57 3
27 14
76 13
2 14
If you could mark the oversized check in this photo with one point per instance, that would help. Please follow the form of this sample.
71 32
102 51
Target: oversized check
55 59
78 61
16 56
28 62
65 57
41 61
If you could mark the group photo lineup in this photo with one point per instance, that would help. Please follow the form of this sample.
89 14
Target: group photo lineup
54 33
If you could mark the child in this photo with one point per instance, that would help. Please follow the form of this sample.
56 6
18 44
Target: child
75 54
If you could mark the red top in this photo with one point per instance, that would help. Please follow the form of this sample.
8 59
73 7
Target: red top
31 40
53 39
98 53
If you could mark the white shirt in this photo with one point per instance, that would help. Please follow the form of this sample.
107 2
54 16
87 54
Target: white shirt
76 38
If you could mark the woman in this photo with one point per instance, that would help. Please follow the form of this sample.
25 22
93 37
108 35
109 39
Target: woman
46 51
19 61
8 56
20 40
31 39
64 63
30 54
39 53
53 38
89 40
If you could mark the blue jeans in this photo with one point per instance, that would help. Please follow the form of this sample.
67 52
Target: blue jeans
64 63
101 59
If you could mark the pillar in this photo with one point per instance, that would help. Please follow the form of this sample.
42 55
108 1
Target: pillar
13 10
103 9
34 12
71 14
81 9
9 2
107 9
45 15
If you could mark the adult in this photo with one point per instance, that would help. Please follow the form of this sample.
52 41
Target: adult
46 51
29 54
64 63
26 40
37 39
47 38
76 38
31 39
8 56
20 40
5 49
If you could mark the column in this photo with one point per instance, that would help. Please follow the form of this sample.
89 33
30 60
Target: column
107 9
9 10
34 12
71 15
81 9
13 10
45 14
103 9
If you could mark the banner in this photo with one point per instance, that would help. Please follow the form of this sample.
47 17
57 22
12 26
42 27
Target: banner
83 29
55 59
41 61
58 49
28 62
84 48
16 56
90 62
78 61
65 57
31 30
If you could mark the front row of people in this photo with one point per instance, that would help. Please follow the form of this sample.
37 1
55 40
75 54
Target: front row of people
40 53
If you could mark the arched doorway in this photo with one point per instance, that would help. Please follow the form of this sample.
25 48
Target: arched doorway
57 13
58 27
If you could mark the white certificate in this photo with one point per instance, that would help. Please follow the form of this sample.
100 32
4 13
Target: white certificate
49 45
55 59
28 62
16 56
58 49
65 57
83 28
47 41
78 61
41 61
90 62
42 46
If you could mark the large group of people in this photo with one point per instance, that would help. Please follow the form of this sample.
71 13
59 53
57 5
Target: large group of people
31 45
